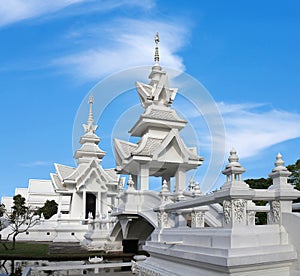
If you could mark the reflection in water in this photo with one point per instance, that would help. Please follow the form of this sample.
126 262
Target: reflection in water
17 267
12 267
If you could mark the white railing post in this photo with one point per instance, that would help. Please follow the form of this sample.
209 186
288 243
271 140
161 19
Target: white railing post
197 218
162 219
284 192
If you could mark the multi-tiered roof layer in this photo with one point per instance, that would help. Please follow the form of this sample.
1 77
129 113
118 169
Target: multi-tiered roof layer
160 150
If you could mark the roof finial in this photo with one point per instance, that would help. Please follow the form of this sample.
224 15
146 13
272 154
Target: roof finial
90 127
156 55
91 119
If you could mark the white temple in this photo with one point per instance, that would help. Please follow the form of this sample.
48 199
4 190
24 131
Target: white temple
160 152
82 193
185 232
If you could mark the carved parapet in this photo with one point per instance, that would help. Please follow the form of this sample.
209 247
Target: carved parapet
162 219
197 219
234 212
274 216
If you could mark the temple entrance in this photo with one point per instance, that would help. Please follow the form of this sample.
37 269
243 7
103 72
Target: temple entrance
130 246
90 205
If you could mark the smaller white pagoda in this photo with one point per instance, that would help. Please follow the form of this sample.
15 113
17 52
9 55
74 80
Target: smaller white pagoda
83 193
91 188
160 152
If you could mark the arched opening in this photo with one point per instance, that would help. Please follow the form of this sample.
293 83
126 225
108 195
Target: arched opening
139 231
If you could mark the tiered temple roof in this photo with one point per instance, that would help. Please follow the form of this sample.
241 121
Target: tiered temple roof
160 145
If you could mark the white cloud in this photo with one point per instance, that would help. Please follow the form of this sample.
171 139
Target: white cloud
250 127
16 10
125 44
36 164
251 131
12 11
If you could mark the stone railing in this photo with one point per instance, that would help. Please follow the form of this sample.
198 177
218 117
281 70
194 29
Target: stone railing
100 222
236 198
238 207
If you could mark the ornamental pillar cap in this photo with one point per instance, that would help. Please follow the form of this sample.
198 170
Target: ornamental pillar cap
191 184
279 164
233 167
197 190
280 169
130 183
164 187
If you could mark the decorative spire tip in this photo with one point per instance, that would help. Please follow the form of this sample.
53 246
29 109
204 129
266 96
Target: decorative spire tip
91 99
156 55
90 127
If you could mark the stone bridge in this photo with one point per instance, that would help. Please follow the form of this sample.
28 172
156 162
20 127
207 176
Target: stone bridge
137 219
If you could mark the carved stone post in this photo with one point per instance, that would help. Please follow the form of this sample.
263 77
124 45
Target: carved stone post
162 219
197 219
234 211
250 213
90 222
284 192
274 216
97 222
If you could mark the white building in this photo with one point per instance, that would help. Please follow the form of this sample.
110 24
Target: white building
83 192
185 232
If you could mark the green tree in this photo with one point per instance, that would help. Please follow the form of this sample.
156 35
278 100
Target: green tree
294 178
265 183
2 209
20 219
260 183
49 209
3 220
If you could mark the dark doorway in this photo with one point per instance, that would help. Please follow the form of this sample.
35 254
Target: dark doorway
130 246
90 205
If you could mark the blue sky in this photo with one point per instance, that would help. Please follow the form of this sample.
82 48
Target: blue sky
53 53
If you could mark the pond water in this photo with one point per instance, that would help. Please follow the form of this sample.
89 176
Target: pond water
17 267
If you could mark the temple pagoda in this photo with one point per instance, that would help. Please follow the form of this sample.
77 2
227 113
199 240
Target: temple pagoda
160 151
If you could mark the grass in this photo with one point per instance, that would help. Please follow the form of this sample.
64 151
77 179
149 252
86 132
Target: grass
23 249
40 251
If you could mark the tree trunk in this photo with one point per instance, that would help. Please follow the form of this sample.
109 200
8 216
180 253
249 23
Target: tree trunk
14 241
3 243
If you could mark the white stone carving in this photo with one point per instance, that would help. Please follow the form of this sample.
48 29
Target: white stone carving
239 208
162 219
197 219
274 215
227 211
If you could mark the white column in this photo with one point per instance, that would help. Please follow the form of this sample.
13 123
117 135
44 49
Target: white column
98 203
180 180
59 204
104 204
144 177
83 204
113 201
135 180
